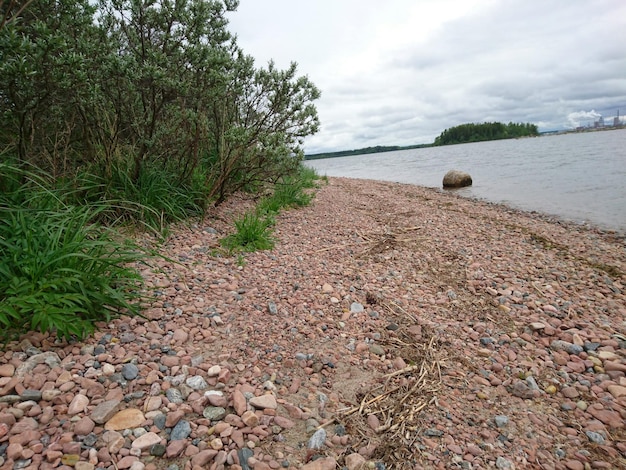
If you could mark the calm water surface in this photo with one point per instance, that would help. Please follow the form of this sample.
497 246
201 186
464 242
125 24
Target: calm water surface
577 177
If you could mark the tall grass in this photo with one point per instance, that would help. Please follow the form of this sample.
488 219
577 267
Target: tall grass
253 230
291 191
59 271
151 202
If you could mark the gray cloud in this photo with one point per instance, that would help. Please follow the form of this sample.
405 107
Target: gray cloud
400 72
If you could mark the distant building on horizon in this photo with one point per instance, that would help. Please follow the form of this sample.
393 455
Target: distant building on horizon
599 123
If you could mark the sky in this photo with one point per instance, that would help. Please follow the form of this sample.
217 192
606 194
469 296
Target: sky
399 72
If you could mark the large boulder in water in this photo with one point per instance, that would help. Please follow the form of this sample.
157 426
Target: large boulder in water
456 179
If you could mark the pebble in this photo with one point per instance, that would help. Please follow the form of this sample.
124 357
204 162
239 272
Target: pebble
130 371
182 430
504 464
125 419
105 411
34 395
78 404
197 382
174 395
84 426
264 401
501 421
570 348
356 307
157 450
595 437
146 441
214 413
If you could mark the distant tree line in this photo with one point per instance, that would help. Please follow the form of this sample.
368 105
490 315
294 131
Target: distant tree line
363 151
126 89
485 131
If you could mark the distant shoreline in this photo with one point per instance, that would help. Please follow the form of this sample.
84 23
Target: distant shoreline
392 148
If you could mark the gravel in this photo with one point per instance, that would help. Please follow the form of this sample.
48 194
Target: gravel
529 314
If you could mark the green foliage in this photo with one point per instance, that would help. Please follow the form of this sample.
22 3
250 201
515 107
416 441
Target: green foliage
253 232
152 201
60 273
253 229
290 191
260 126
485 131
140 111
148 86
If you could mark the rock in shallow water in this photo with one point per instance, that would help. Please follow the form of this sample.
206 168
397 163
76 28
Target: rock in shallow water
456 179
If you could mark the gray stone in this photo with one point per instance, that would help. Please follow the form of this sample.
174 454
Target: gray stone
90 440
34 395
244 455
51 359
197 382
104 411
130 371
532 383
595 437
303 357
10 399
271 306
376 349
22 463
159 420
456 179
316 441
214 413
174 395
157 450
180 431
501 421
570 348
504 464
127 337
356 307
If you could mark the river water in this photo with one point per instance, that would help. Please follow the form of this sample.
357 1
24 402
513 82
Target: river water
578 177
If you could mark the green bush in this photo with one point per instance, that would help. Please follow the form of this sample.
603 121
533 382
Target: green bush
252 233
61 274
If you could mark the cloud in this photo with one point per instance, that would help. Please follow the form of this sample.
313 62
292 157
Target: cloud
400 72
578 118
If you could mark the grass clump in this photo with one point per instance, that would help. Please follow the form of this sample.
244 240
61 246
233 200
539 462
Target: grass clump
291 191
151 202
59 271
253 232
61 274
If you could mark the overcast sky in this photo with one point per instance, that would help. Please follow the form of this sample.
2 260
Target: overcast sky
398 72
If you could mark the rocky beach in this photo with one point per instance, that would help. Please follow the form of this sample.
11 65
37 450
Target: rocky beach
391 327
